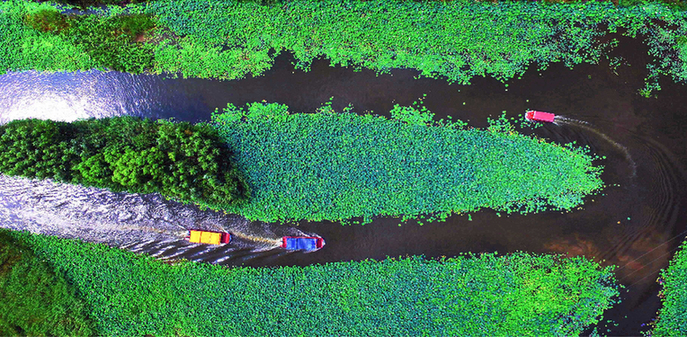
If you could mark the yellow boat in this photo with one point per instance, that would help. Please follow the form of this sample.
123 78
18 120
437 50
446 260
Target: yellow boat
208 237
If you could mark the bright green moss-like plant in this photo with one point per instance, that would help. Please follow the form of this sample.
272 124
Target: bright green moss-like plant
83 4
516 295
34 299
110 41
336 166
672 318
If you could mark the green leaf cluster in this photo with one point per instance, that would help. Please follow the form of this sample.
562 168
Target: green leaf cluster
50 40
83 4
178 160
24 48
672 318
518 294
34 299
337 166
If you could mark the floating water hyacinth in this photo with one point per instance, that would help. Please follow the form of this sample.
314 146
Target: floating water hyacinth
524 294
337 166
454 40
672 319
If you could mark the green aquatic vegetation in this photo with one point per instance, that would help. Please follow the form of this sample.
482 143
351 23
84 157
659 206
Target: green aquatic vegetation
516 294
672 318
47 20
338 166
48 40
24 48
83 4
455 40
178 160
34 299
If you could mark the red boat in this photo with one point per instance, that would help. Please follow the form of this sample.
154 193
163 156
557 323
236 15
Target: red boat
539 116
310 243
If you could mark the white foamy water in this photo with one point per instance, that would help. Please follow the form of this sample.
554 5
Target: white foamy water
141 223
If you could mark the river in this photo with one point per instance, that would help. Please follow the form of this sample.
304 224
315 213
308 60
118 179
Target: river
636 223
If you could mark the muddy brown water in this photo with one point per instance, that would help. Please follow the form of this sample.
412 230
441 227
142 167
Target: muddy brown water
636 225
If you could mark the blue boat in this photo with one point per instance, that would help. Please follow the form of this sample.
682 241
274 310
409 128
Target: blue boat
308 243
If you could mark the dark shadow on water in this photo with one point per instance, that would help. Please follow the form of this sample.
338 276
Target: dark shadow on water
636 224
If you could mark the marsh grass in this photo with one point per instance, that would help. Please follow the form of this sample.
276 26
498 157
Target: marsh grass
45 39
83 4
111 41
47 20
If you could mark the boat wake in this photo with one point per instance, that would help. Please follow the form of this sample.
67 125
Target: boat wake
147 224
561 120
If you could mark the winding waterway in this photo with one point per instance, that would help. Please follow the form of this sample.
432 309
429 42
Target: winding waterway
636 224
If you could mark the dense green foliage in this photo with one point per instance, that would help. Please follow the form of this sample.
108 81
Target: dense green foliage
518 294
37 36
24 48
178 160
83 4
672 319
34 300
456 40
108 41
334 166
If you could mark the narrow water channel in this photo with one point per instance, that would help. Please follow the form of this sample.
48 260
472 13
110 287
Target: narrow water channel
636 224
140 223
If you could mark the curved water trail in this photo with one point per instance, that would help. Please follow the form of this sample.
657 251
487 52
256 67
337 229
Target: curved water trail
670 182
662 215
141 223
645 226
562 120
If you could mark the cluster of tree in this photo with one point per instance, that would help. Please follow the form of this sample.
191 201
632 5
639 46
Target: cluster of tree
179 160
